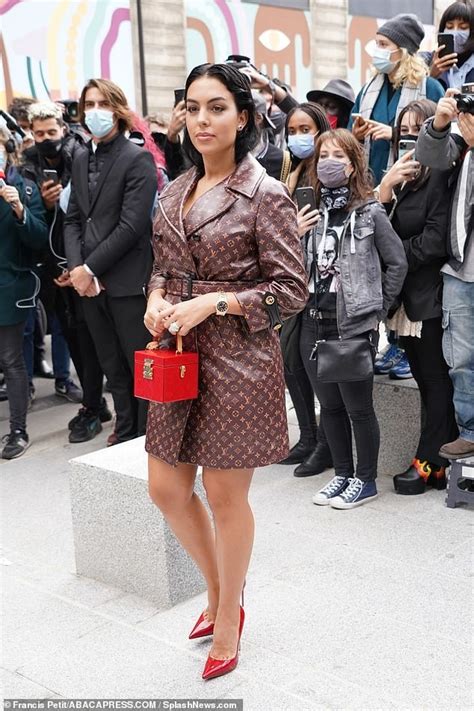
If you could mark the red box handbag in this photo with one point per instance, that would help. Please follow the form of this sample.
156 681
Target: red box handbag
164 375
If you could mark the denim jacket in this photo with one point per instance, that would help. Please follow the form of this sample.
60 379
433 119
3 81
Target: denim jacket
372 265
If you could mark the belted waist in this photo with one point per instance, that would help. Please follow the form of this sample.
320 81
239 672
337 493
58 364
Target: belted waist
186 287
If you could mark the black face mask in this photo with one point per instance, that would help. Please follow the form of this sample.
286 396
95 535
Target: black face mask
278 119
159 138
408 137
50 148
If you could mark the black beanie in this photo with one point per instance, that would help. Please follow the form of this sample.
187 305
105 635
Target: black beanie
405 30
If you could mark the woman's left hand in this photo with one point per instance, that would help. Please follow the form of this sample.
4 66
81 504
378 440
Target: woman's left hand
188 314
11 195
379 131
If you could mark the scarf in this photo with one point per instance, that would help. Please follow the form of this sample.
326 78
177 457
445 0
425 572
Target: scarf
369 98
335 198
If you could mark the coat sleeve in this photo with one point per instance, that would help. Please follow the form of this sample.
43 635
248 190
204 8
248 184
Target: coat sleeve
73 231
438 149
33 232
280 258
392 254
135 215
431 244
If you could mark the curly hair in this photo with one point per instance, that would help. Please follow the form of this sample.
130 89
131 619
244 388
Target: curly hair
411 69
41 111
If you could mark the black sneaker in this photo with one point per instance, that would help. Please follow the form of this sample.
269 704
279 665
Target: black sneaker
85 427
104 414
69 390
16 443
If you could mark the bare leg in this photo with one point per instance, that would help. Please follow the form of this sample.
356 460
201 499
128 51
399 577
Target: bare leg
172 490
227 493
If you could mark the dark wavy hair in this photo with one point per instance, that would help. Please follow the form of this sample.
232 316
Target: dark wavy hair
239 86
423 110
460 10
360 180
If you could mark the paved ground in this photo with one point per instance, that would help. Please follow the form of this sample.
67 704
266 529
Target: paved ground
362 609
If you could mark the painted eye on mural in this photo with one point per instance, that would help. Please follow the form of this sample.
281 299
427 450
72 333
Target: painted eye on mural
274 40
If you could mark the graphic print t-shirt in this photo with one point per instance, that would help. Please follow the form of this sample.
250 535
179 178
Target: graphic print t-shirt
328 262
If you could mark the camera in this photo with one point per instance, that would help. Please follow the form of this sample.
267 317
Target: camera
465 101
71 114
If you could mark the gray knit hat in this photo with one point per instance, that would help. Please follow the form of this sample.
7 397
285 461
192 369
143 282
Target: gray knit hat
405 30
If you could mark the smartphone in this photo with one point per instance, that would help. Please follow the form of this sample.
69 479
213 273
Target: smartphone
357 116
448 41
178 96
51 175
305 196
404 146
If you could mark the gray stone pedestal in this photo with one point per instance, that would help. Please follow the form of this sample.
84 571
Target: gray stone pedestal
398 407
120 536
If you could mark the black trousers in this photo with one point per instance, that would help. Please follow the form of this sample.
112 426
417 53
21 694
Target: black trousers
117 330
341 405
431 373
13 365
298 383
69 310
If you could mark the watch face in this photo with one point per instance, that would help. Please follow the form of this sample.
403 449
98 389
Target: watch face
221 307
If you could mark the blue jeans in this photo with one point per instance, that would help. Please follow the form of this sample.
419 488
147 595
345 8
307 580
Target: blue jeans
59 348
458 349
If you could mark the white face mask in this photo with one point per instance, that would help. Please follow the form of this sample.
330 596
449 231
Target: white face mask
381 60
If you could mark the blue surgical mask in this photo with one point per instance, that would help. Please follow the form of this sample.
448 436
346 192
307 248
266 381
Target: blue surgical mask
381 60
460 39
99 122
301 145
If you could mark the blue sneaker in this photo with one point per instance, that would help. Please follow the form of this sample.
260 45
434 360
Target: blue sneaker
356 493
401 370
387 359
333 488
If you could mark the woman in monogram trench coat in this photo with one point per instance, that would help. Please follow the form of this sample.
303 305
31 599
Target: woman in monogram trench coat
233 229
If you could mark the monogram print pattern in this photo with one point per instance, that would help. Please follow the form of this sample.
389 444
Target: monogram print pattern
242 230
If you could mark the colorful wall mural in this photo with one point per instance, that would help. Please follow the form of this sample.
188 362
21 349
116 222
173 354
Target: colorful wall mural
276 39
49 48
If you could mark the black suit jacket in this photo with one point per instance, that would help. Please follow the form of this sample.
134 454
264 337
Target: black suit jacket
111 230
421 220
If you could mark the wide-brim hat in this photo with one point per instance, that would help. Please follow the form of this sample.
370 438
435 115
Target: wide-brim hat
336 89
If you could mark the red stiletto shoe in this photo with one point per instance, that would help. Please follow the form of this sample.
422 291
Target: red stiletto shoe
202 628
219 667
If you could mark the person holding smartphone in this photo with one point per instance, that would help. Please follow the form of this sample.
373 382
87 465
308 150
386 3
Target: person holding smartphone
452 63
417 199
401 77
304 123
24 234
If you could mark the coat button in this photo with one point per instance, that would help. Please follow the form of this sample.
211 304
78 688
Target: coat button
89 219
196 238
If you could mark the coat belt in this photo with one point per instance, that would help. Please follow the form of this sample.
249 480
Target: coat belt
188 287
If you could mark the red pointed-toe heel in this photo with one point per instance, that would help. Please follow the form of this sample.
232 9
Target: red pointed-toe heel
219 667
202 628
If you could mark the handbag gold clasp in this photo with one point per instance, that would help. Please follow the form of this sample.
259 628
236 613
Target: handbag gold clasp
182 371
148 369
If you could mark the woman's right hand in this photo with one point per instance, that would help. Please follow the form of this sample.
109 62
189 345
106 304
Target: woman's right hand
306 219
360 128
442 64
156 303
403 170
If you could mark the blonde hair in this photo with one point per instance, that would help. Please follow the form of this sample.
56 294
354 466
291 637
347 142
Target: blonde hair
5 135
41 111
411 69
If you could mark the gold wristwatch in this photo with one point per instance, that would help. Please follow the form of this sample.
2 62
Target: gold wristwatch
222 304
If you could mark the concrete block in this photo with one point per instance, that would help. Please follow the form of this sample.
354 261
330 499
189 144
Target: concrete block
120 536
398 408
